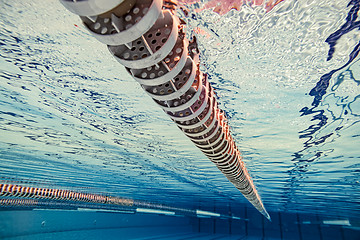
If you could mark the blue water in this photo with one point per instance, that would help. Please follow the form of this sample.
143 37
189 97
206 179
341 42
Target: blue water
72 118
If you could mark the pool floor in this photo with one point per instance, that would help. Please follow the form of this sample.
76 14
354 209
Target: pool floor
73 224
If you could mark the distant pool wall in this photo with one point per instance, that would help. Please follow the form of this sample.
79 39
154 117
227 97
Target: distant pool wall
86 224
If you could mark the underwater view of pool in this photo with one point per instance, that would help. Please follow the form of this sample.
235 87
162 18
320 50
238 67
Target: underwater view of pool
86 153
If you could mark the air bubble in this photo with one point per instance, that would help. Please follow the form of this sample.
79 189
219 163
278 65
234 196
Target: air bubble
144 75
137 19
187 71
145 10
178 50
106 20
152 75
160 73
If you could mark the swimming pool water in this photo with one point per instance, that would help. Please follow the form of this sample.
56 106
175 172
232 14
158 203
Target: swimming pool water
72 118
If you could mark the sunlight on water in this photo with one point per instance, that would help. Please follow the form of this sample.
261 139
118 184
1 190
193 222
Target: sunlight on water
71 115
263 67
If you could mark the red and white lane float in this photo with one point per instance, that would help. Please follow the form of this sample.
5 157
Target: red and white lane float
148 39
13 195
19 191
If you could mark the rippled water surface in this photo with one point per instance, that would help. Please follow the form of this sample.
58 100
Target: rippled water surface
71 117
